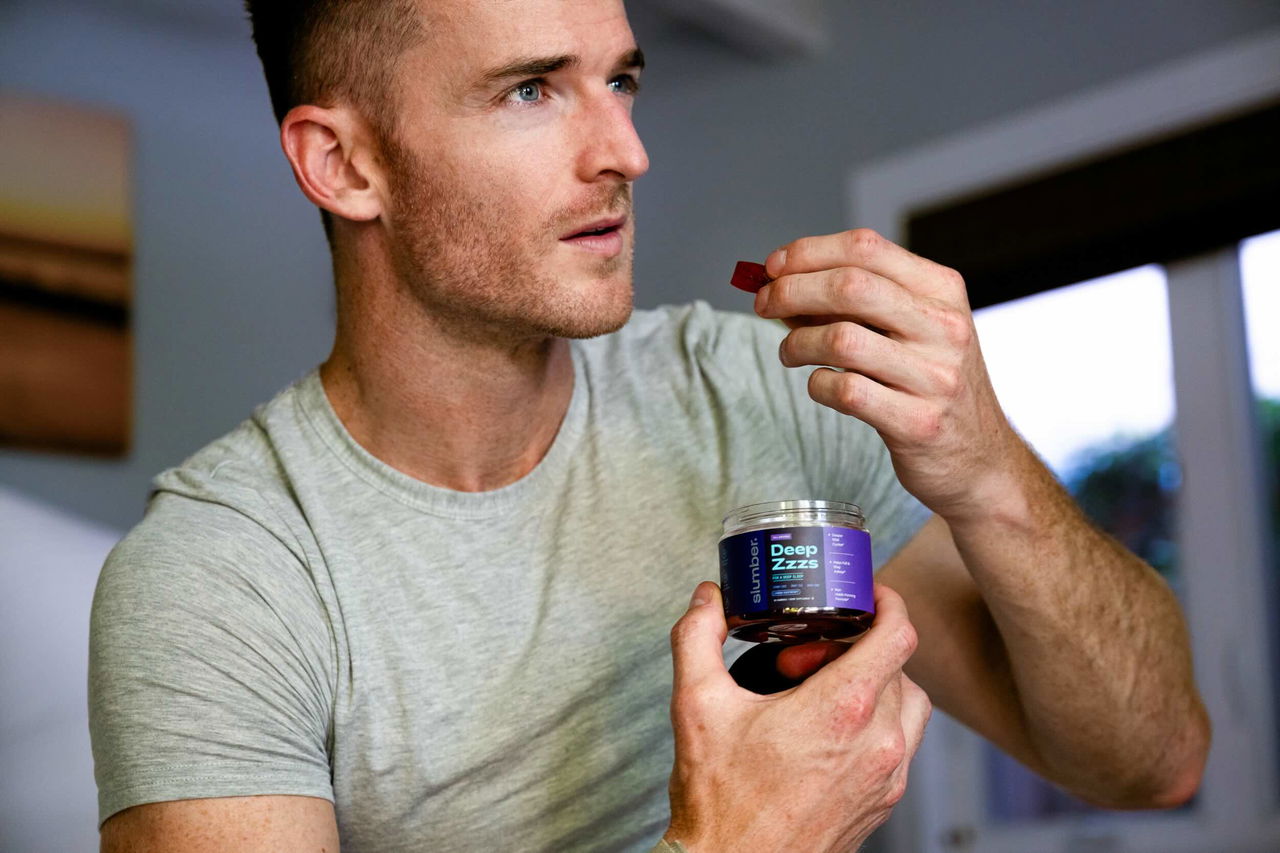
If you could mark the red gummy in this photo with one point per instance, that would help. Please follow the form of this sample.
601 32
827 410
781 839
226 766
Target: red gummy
749 276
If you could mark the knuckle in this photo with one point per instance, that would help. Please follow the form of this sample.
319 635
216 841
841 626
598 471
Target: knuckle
799 253
851 395
946 379
897 790
956 326
847 286
914 691
691 709
845 341
889 754
954 279
965 334
681 632
856 711
926 427
906 639
863 239
926 707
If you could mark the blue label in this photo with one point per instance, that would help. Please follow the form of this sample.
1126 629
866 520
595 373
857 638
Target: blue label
761 570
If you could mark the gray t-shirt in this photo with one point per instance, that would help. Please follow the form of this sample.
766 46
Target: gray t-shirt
457 671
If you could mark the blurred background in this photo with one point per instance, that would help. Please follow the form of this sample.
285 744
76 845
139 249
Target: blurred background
1105 175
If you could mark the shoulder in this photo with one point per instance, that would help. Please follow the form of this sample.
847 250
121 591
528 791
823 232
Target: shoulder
193 568
225 518
245 459
239 481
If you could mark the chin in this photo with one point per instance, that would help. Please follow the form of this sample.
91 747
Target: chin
591 321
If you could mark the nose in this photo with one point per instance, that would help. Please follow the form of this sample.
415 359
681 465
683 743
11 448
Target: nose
608 143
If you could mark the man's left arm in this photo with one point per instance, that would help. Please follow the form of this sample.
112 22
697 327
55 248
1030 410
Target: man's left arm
1036 629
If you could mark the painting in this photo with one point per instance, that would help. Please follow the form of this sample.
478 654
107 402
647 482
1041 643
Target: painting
66 257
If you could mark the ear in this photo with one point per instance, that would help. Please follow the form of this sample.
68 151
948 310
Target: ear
332 156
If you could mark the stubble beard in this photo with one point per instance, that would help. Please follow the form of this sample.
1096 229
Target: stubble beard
482 280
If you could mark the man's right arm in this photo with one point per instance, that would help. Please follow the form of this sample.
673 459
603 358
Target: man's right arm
224 825
211 683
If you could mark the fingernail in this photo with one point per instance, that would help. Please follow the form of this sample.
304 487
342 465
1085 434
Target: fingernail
698 598
775 262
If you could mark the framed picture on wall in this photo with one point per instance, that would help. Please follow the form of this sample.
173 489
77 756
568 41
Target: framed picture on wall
66 254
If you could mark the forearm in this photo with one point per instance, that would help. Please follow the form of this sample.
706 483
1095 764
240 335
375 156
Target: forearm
1075 653
1096 644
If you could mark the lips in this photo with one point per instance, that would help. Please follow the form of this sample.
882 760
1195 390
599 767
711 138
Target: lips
596 227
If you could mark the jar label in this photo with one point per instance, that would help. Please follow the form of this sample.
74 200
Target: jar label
809 566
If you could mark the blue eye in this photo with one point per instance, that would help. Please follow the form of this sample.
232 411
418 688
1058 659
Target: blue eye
528 92
625 84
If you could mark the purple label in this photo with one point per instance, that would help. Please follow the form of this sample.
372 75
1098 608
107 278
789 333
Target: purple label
797 567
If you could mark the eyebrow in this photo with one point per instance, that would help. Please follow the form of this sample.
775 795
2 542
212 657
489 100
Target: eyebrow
540 66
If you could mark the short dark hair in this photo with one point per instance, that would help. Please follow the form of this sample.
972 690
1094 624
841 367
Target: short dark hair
325 51
321 51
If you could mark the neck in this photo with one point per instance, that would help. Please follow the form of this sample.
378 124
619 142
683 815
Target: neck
456 408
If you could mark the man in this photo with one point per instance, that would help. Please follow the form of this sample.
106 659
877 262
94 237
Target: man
417 601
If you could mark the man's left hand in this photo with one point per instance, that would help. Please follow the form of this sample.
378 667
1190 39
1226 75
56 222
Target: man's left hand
900 329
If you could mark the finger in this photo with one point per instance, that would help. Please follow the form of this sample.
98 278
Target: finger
864 248
914 712
757 670
898 416
854 347
797 663
769 668
697 640
848 292
916 709
887 714
877 658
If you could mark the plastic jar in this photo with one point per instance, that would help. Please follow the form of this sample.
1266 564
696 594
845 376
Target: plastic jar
796 571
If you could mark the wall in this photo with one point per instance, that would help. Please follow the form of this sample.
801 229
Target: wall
232 284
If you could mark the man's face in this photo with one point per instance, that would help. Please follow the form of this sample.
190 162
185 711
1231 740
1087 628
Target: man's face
493 168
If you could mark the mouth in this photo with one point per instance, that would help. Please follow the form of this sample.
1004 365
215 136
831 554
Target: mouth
597 228
601 236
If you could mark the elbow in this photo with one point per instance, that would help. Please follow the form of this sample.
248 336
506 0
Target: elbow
1182 780
1179 792
1177 776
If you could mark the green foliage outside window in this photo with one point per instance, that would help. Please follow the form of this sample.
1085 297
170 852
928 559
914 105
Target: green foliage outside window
1128 488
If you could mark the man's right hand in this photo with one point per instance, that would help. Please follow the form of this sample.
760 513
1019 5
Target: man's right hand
818 767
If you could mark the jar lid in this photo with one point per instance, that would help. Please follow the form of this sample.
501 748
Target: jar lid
795 512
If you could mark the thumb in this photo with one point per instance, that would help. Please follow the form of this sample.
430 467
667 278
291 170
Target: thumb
698 638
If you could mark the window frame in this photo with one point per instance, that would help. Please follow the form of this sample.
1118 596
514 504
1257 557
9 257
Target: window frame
1222 532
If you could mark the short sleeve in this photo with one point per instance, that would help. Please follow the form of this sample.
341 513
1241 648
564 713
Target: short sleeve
210 663
842 457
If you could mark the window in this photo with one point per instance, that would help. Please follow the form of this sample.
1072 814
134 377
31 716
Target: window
1085 374
1217 544
1260 285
